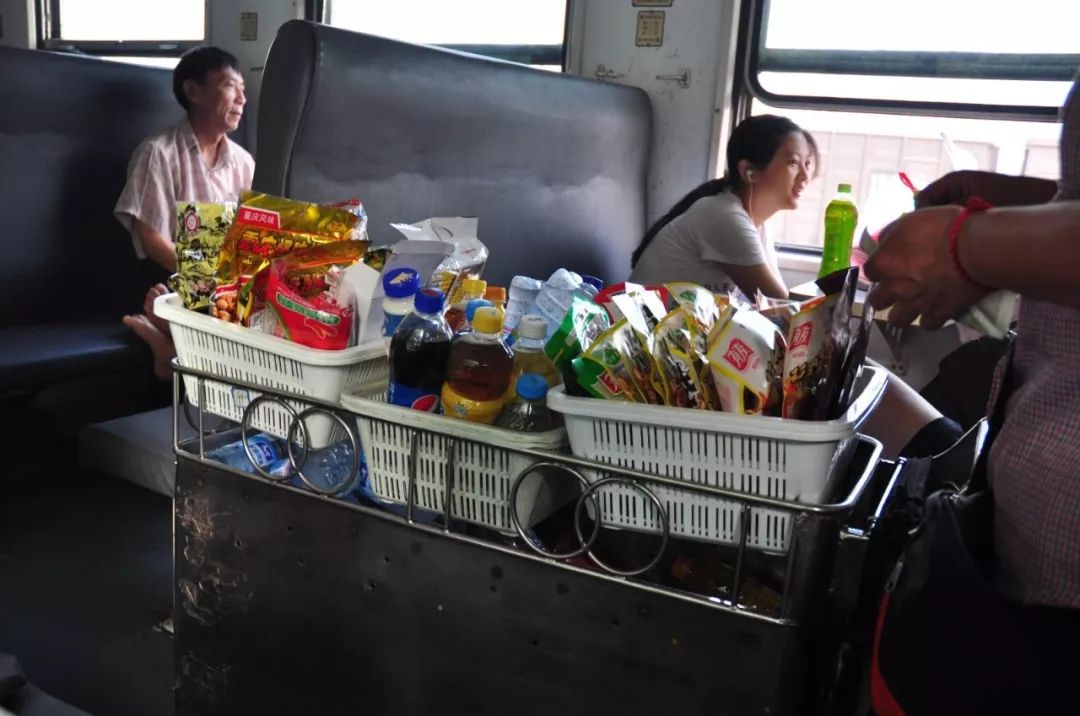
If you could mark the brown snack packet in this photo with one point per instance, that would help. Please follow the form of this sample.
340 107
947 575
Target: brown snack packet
818 340
610 350
676 357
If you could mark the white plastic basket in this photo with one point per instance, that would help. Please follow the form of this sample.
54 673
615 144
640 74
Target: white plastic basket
484 469
792 460
234 352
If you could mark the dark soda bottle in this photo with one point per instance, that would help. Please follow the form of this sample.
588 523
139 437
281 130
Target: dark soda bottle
419 352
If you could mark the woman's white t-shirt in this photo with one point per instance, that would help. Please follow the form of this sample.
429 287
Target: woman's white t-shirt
714 230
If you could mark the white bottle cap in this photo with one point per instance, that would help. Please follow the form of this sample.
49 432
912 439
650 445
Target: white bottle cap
533 327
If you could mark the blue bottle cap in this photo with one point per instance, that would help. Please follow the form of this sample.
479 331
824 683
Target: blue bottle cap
593 281
532 386
429 300
401 283
471 306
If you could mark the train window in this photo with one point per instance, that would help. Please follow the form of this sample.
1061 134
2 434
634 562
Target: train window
148 28
528 31
922 87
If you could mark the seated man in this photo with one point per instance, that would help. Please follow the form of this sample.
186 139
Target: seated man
192 161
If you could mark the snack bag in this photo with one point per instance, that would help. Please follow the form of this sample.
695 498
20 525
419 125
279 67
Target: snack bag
595 380
817 343
299 298
606 297
200 233
267 227
611 350
581 326
746 357
698 302
778 310
674 353
643 310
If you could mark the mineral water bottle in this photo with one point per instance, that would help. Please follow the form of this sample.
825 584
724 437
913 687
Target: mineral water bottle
528 411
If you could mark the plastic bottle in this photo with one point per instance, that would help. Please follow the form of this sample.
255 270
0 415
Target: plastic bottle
328 468
596 283
841 217
554 298
266 449
529 355
418 354
523 292
473 288
528 411
470 312
497 296
399 286
478 371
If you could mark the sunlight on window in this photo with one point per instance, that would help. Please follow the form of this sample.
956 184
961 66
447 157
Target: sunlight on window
437 22
132 20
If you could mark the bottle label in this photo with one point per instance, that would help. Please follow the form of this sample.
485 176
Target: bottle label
414 398
390 323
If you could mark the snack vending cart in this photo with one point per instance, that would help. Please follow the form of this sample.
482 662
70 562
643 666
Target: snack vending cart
478 573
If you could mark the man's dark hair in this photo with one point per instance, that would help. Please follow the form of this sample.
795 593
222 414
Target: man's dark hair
196 64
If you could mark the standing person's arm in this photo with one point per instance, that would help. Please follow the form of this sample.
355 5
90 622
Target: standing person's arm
998 189
1034 251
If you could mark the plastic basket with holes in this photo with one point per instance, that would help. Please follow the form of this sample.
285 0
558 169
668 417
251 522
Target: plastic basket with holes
484 468
790 460
234 352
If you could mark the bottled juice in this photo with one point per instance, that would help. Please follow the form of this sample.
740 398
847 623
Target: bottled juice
472 289
841 216
418 354
529 355
478 371
497 296
470 311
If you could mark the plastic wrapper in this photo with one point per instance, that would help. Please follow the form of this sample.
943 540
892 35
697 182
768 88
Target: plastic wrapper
614 350
818 341
200 234
594 378
265 228
746 356
299 297
582 325
469 257
676 357
643 309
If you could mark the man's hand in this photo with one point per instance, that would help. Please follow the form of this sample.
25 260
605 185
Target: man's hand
915 273
156 247
998 189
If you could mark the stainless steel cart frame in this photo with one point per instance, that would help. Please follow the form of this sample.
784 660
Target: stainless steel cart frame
291 600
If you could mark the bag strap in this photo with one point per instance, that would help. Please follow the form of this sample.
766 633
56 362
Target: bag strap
979 479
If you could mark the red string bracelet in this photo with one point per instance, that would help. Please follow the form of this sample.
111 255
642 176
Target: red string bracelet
974 204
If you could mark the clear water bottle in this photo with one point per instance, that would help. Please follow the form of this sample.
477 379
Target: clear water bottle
522 295
328 468
555 296
266 449
528 411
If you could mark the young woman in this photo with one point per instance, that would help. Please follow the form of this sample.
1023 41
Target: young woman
715 236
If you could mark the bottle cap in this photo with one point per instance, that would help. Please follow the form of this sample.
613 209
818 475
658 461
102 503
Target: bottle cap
474 286
532 326
488 320
593 281
532 386
429 300
495 294
401 283
844 188
471 306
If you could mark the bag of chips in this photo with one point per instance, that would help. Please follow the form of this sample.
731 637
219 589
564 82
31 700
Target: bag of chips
267 227
746 357
675 355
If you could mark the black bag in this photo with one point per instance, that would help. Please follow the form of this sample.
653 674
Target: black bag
946 642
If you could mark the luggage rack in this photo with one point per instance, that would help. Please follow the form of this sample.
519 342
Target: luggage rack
808 562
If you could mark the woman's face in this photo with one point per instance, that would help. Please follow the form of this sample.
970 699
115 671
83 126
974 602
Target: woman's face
786 175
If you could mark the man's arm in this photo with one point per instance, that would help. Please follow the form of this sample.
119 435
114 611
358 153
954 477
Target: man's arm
158 248
998 189
1034 251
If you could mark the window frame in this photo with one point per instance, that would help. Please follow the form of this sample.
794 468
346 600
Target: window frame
49 38
756 58
552 55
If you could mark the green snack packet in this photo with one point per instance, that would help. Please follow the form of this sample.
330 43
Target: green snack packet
580 328
200 233
595 380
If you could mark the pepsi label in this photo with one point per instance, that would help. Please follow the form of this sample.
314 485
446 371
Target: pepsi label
414 398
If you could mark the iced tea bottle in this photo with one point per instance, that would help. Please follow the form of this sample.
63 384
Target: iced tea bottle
478 371
841 216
